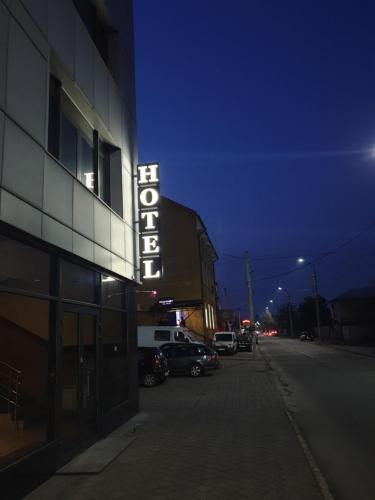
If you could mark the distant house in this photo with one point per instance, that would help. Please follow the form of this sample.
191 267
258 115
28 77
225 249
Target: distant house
353 315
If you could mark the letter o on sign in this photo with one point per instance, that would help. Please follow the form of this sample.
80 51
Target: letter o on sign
149 197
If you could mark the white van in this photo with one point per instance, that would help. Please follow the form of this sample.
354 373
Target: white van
225 342
154 336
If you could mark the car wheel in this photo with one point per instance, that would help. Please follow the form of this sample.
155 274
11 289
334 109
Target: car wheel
149 380
196 370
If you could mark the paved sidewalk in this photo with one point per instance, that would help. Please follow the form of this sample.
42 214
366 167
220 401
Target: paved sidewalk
223 436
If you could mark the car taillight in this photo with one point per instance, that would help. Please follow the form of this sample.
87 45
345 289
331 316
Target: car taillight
156 363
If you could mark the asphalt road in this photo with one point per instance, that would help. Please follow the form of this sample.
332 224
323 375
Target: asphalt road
331 395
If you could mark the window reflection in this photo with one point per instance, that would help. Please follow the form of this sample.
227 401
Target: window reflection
115 367
68 145
113 292
104 173
23 267
78 283
23 375
86 164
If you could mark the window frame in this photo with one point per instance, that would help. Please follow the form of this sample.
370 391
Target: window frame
107 174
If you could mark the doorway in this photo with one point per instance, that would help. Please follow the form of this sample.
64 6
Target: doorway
79 377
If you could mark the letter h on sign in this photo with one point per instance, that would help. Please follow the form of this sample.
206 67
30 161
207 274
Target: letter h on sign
148 199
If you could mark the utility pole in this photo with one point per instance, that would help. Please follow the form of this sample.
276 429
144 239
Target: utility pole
290 315
225 298
249 283
317 305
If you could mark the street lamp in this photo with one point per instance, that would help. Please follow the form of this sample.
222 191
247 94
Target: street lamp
280 288
300 260
271 301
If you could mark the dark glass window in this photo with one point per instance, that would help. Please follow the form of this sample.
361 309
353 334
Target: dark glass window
115 366
23 267
104 173
24 336
54 117
68 145
113 292
179 336
162 335
183 351
78 283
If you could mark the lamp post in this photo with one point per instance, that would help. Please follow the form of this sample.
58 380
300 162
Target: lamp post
317 305
301 260
290 312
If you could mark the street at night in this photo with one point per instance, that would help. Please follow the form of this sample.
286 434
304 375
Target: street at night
331 395
187 244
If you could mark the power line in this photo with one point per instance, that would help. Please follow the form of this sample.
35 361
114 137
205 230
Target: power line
321 256
287 257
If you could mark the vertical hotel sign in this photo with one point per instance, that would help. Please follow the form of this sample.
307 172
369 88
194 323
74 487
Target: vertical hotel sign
148 201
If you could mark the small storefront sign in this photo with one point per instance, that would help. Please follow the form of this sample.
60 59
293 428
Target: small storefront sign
148 200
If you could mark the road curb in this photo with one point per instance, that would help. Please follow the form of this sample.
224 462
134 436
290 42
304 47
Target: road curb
318 475
320 479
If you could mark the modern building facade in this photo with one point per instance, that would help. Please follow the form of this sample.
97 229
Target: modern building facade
68 247
186 292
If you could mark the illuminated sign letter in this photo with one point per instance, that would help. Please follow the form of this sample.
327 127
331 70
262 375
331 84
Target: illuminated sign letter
150 219
149 197
149 272
148 174
150 244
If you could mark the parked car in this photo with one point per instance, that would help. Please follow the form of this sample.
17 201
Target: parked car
306 336
244 343
152 366
225 342
191 359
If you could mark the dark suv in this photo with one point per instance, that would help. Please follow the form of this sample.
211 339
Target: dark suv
244 343
191 359
152 366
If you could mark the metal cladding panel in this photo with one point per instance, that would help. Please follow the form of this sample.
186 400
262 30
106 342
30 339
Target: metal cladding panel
4 30
58 192
23 166
27 74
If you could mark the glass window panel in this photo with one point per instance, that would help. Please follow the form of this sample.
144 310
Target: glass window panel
68 145
113 292
104 174
78 283
86 163
54 116
70 378
115 365
23 267
23 375
162 335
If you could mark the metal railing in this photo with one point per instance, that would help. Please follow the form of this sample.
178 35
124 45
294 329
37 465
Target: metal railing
10 389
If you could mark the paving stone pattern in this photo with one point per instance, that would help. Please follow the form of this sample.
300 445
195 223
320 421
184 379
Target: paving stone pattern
222 436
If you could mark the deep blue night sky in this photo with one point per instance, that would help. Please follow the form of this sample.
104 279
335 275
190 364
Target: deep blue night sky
262 117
